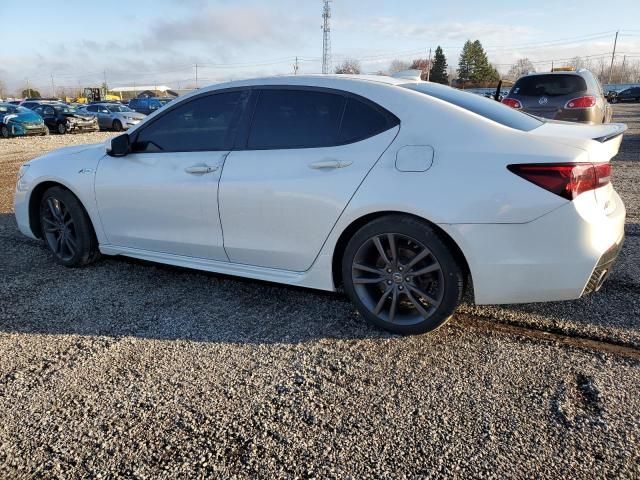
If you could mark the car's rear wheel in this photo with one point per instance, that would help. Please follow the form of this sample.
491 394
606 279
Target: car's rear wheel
4 131
401 275
61 128
117 125
66 228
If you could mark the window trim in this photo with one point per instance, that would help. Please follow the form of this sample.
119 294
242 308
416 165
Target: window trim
392 120
173 105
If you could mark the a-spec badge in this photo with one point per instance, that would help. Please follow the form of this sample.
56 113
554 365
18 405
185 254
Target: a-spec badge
543 100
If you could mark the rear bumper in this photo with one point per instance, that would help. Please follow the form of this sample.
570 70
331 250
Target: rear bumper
555 257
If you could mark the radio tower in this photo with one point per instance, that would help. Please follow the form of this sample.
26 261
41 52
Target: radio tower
326 38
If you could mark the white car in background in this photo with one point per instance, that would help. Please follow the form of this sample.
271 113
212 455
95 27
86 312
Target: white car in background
400 191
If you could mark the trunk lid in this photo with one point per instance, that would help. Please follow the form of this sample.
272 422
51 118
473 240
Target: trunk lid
600 142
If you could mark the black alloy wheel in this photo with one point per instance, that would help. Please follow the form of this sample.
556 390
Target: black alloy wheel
66 228
401 275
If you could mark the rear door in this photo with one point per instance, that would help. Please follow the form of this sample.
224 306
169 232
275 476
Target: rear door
306 153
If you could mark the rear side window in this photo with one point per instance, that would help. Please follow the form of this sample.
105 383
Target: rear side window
206 123
361 121
549 85
485 107
296 119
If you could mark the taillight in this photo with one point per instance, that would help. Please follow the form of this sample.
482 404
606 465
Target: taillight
581 102
512 102
565 179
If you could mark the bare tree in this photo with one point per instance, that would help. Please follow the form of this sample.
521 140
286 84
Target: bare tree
398 66
3 89
349 66
421 64
520 68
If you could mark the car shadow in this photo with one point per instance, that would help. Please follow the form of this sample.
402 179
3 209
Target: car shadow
118 297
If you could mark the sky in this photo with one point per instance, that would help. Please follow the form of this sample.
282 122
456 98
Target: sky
158 42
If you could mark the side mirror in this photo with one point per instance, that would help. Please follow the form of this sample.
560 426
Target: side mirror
118 146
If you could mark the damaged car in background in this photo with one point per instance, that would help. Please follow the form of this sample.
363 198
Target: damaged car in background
18 121
61 118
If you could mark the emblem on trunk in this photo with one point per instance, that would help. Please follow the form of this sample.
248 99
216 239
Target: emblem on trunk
543 100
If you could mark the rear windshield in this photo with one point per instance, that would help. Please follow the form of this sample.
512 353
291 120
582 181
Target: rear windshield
549 85
479 105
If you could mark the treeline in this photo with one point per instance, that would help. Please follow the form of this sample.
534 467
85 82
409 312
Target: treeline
474 69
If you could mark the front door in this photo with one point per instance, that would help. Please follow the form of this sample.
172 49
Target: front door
163 197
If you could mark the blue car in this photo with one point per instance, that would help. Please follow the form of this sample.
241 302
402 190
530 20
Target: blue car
18 121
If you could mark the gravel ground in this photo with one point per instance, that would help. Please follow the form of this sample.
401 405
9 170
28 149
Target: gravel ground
135 370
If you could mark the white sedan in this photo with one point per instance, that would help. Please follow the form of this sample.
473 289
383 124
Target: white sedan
401 192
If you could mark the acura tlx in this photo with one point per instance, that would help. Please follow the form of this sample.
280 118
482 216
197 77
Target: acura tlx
400 192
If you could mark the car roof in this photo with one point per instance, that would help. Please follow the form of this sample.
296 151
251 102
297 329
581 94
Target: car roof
333 80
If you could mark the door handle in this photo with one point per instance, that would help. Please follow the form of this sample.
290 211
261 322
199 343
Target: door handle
200 169
329 164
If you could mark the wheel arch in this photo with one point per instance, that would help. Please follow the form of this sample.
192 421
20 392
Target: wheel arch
34 204
353 227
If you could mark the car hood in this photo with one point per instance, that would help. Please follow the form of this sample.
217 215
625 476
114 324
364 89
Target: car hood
89 151
80 116
136 115
22 117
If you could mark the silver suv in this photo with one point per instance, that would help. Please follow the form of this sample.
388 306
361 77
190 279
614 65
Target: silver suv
574 96
114 116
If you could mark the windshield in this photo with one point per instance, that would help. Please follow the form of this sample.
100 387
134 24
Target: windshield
13 109
551 85
64 109
119 108
164 101
479 105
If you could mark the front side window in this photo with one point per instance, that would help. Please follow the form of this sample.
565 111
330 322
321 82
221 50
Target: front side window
296 119
206 123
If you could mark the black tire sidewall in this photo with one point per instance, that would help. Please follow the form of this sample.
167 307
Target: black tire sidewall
85 236
4 132
64 128
117 125
421 231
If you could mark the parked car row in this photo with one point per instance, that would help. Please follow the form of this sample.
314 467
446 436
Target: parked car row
40 116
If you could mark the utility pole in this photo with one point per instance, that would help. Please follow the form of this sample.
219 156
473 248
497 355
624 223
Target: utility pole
429 66
326 37
613 55
196 76
296 67
53 87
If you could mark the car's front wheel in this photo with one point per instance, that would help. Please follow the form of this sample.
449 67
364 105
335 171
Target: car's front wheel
4 131
401 275
66 228
117 125
62 128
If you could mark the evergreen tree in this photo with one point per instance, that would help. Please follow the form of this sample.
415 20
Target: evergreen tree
438 71
466 62
474 67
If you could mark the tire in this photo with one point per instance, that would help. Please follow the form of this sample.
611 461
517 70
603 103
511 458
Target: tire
418 279
4 132
66 228
61 128
117 125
